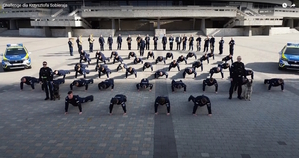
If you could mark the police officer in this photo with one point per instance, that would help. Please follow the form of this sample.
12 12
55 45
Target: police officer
236 74
81 68
164 41
224 66
197 64
231 46
122 66
62 72
97 54
119 99
210 82
244 82
275 82
204 57
211 54
178 85
70 43
75 100
90 41
46 78
147 65
249 73
105 70
160 59
221 42
169 55
106 84
155 42
29 81
181 59
144 83
129 41
147 42
227 58
198 40
81 83
190 55
119 41
110 42
189 71
131 71
138 39
174 64
161 100
102 42
184 42
161 73
171 39
191 39
142 46
150 54
212 42
200 101
101 57
85 57
216 70
132 54
178 41
138 60
118 59
79 44
206 45
114 54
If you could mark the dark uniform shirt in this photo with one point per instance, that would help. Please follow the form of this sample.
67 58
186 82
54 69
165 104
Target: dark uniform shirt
178 85
75 101
214 70
197 102
80 82
45 74
237 70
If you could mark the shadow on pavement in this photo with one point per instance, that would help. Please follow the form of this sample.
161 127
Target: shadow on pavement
268 67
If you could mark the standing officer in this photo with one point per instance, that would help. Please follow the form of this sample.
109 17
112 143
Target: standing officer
198 40
105 70
119 99
190 55
174 64
106 84
178 41
200 101
160 59
236 74
119 41
138 60
138 39
79 44
81 83
129 41
182 58
191 39
75 100
147 65
81 68
144 83
70 42
216 70
184 42
197 64
147 42
110 42
206 45
275 82
178 85
118 59
221 42
122 66
231 46
164 41
171 39
212 42
210 82
102 42
29 81
131 71
150 54
227 58
142 46
46 78
132 54
160 100
204 57
189 71
90 40
61 73
155 42
249 73
161 73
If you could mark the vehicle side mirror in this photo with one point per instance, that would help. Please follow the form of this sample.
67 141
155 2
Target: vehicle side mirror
1 54
29 53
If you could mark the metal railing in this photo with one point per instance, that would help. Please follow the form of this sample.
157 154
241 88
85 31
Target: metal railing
278 10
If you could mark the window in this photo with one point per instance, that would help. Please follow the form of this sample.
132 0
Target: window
152 3
142 3
133 3
161 3
15 51
292 51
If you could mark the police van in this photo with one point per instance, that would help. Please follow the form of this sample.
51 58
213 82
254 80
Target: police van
289 57
16 56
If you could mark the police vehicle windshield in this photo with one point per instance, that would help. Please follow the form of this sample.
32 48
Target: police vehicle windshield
292 51
15 51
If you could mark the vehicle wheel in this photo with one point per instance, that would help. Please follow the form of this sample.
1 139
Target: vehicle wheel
5 70
280 68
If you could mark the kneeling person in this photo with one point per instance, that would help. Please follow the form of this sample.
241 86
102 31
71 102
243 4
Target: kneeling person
75 100
119 99
162 101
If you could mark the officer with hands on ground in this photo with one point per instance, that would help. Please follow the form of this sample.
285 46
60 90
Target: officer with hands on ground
122 66
113 54
81 83
75 100
189 71
274 82
160 59
181 59
138 60
190 55
216 70
118 59
210 82
200 101
150 54
197 64
161 73
147 65
174 64
101 57
204 57
227 58
46 78
29 81
119 99
161 100
178 85
131 71
144 83
132 54
105 70
106 84
168 55
81 69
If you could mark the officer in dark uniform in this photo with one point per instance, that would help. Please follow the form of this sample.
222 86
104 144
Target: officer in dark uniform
171 40
110 42
46 78
97 54
144 83
113 53
160 100
150 54
138 60
206 45
160 59
105 70
198 40
236 74
106 84
221 42
216 70
181 59
178 85
189 71
29 81
231 46
81 68
70 43
174 64
129 41
61 73
142 46
81 83
210 82
119 41
101 57
212 42
155 42
169 55
191 40
227 58
119 99
75 100
211 54
178 41
90 41
161 73
200 101
197 64
147 65
244 82
249 73
275 82
184 42
190 55
224 66
164 41
118 59
147 42
122 66
204 57
85 57
131 71
132 54
102 42
79 44
138 39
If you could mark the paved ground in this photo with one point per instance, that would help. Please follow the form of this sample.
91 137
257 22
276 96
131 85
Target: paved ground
266 126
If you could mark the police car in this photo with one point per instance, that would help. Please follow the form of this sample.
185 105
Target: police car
289 57
16 56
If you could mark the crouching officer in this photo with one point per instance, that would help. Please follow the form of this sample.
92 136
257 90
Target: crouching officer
81 69
81 83
169 55
85 57
204 57
200 101
197 64
160 59
132 54
75 100
210 55
101 57
105 70
150 54
62 73
249 73
178 85
29 81
122 66
237 72
190 55
119 99
210 82
113 53
174 64
216 70
275 82
144 83
161 73
118 59
106 84
189 71
147 65
131 71
160 100
46 78
227 58
138 60
181 59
